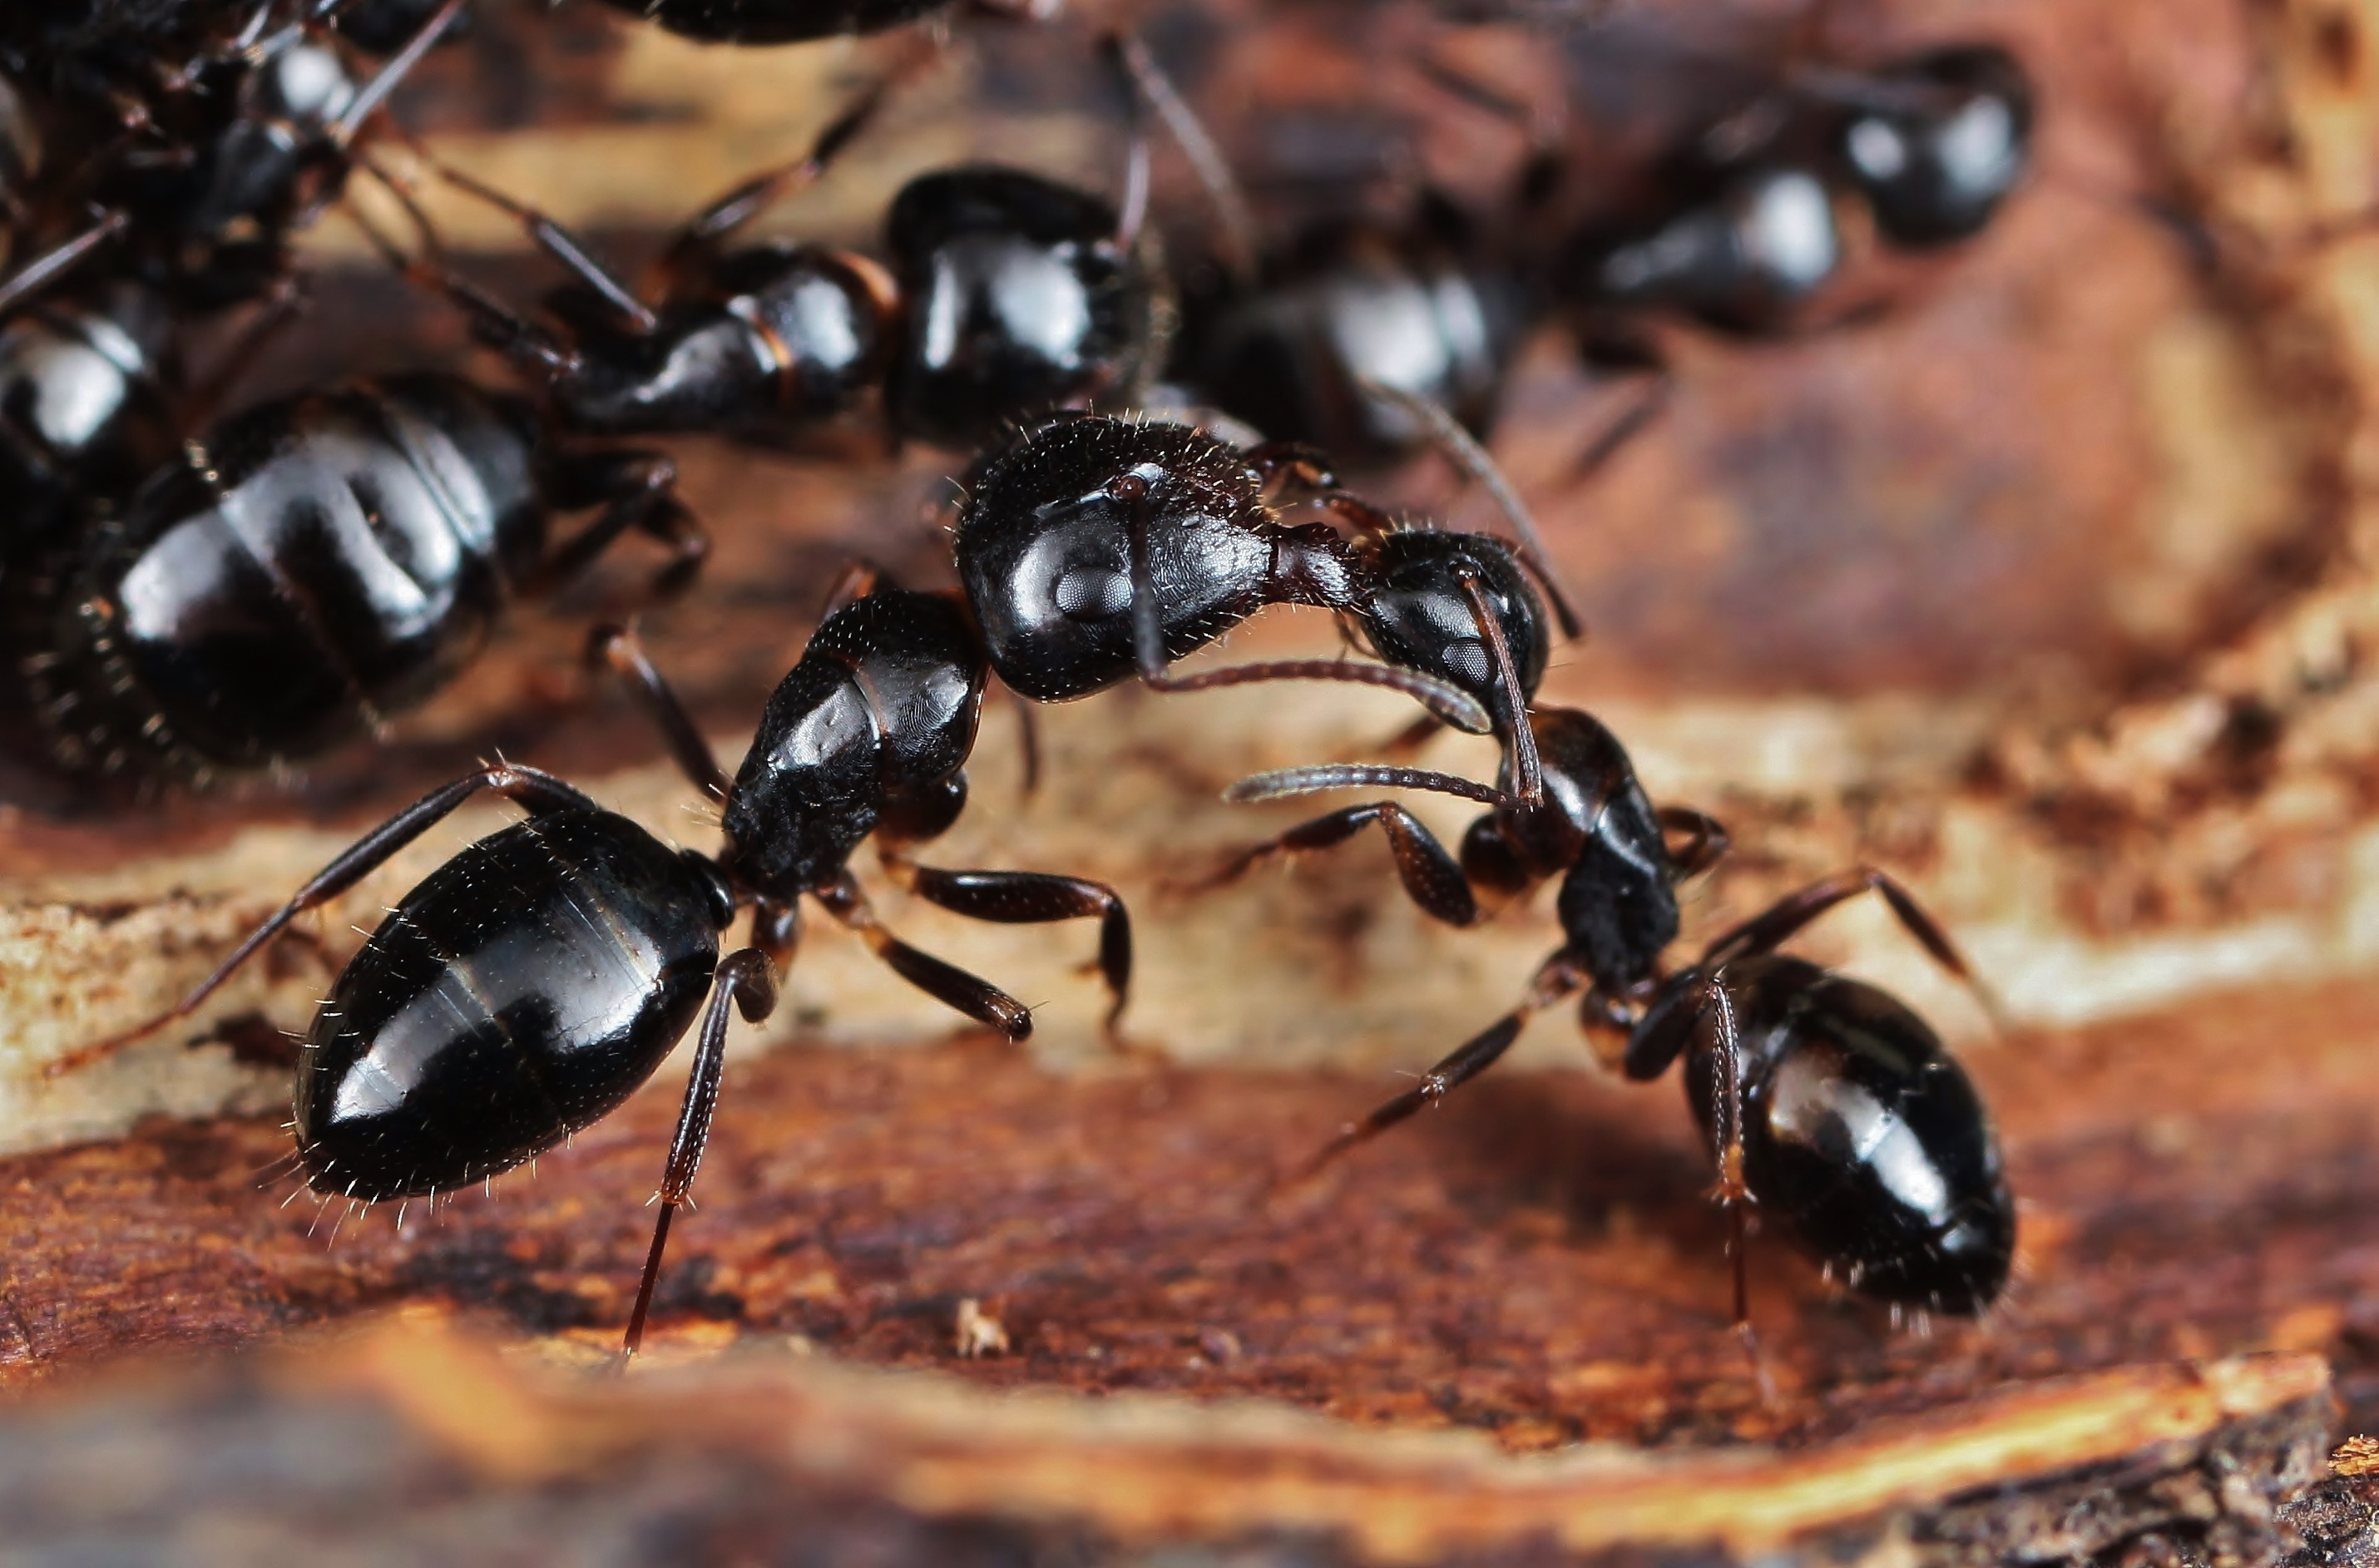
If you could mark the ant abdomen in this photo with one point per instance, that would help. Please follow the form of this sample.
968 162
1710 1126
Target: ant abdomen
1021 299
470 1033
1861 1134
325 561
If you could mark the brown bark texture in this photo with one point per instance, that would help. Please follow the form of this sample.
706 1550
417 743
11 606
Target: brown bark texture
2042 577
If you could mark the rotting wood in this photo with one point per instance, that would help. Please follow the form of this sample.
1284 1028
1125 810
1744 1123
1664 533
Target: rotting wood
2071 1467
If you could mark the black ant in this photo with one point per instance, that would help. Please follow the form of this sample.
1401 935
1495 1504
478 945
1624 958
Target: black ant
470 1033
801 21
1007 295
1744 229
1822 1098
315 566
203 189
1747 226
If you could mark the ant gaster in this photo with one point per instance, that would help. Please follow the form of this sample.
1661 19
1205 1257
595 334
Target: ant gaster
317 564
1822 1099
469 1034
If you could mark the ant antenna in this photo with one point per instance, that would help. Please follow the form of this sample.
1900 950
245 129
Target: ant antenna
1462 449
1285 783
1148 81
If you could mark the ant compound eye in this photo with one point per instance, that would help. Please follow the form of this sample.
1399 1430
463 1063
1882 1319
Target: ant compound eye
1467 664
1091 591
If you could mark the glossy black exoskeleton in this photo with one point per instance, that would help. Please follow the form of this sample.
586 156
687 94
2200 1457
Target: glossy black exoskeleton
1824 1101
1750 224
536 979
318 564
1094 551
1007 295
89 383
199 194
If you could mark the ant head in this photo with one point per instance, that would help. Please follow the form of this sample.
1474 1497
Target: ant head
1044 549
1947 136
1419 614
1020 295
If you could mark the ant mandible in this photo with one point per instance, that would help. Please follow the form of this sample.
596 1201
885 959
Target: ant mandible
468 1034
1822 1099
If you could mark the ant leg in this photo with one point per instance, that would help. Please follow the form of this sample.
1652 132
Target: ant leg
855 581
367 101
56 262
1707 840
1456 706
696 243
636 489
279 309
1767 931
1631 422
1236 221
1461 448
491 320
978 1000
631 313
1028 741
1281 783
1431 877
622 650
1556 979
537 793
1408 740
749 981
1030 898
1726 1131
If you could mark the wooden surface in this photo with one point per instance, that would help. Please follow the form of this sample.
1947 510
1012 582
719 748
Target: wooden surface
2049 589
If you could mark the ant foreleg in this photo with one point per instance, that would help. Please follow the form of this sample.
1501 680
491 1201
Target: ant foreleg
537 792
1030 897
749 981
946 982
620 648
636 489
1726 1130
1431 877
1556 979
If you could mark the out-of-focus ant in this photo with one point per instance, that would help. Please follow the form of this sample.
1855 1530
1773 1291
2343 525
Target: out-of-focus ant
1007 295
470 1033
1746 226
1822 1099
311 568
1739 229
199 188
